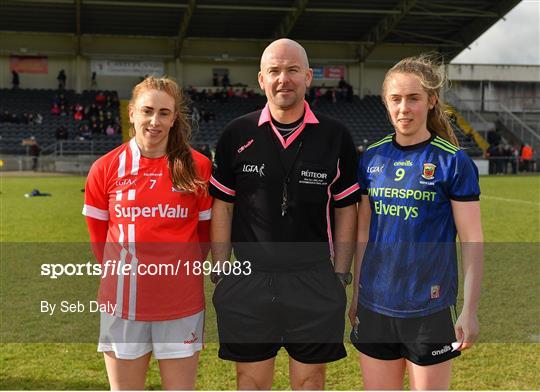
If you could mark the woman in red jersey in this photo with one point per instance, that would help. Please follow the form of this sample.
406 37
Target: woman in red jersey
147 200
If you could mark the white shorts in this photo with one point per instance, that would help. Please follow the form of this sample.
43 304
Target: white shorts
130 339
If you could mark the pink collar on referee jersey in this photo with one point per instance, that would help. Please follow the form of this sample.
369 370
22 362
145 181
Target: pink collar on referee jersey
309 118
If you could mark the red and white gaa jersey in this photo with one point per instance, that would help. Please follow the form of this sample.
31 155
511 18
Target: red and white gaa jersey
152 229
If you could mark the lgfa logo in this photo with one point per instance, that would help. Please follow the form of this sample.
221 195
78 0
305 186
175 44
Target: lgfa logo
375 169
254 169
126 182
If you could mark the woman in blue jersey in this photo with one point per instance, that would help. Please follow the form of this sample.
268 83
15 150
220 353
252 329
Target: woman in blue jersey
419 191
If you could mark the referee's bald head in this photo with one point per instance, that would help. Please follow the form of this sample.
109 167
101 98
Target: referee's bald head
281 46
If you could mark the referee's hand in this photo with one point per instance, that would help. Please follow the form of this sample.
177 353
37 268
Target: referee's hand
467 329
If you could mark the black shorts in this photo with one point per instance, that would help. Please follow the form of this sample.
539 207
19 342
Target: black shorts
302 311
423 340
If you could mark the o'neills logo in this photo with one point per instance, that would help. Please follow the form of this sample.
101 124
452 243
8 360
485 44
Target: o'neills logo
126 181
313 174
161 211
445 349
245 146
194 339
254 169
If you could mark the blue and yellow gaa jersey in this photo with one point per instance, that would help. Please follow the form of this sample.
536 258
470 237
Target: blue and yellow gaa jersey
410 265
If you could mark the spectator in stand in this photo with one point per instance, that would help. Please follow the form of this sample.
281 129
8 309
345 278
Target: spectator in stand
5 117
527 156
61 133
94 126
84 132
63 110
93 81
15 119
24 118
100 98
34 151
62 100
195 115
55 110
15 81
225 81
110 130
38 119
215 80
514 158
78 114
205 150
61 80
92 110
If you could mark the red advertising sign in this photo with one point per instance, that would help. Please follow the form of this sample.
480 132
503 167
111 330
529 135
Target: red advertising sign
334 72
29 64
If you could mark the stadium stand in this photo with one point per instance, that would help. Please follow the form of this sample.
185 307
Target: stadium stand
40 101
366 119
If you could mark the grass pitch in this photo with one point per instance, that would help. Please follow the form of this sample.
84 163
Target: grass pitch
34 230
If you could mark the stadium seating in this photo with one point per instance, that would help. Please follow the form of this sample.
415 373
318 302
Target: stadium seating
366 119
40 101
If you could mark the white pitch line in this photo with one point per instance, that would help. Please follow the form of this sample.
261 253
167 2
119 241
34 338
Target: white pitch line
510 200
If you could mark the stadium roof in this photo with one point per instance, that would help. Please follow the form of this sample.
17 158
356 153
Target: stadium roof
450 25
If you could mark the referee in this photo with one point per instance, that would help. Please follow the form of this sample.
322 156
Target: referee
285 193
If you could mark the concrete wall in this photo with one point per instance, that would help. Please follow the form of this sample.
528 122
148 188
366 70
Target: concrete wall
199 57
507 73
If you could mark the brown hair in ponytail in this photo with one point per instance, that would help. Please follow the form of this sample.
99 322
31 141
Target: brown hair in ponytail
433 80
181 166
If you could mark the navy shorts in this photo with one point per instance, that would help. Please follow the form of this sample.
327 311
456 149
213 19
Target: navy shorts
302 311
423 340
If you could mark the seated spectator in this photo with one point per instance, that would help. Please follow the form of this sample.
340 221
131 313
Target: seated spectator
15 119
84 132
110 130
5 117
38 119
91 110
78 114
63 110
195 115
95 127
100 98
55 110
24 118
205 150
61 133
62 100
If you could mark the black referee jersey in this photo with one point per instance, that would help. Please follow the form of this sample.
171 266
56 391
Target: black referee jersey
284 191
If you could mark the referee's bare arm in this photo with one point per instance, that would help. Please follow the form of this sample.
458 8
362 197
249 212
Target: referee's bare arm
345 220
220 230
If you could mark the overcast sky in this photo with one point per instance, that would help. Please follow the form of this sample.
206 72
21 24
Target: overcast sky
515 40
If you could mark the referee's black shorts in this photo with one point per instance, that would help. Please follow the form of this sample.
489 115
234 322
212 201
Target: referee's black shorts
302 311
425 340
